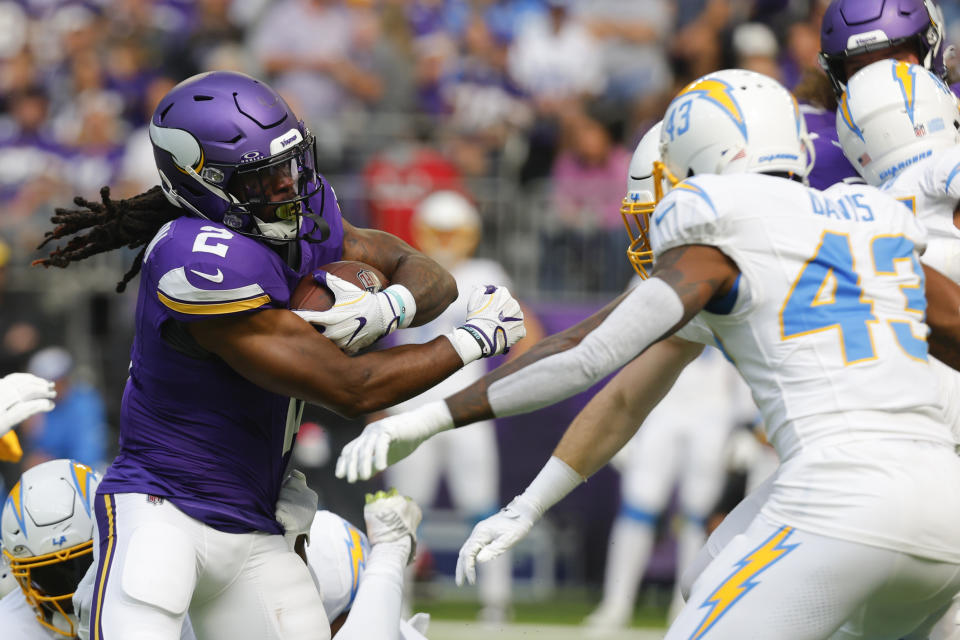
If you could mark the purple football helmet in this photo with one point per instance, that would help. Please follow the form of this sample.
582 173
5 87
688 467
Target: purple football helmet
229 149
852 27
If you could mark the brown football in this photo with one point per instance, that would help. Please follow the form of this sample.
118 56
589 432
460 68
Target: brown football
312 294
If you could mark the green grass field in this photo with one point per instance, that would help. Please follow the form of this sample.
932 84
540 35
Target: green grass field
558 619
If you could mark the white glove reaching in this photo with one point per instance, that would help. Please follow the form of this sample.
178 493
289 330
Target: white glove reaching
21 396
494 324
387 441
296 508
493 536
82 600
391 517
359 318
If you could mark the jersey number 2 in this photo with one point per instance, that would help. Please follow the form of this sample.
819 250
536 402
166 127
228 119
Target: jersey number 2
827 295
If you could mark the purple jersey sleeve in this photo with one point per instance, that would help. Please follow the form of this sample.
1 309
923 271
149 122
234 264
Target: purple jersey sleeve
198 270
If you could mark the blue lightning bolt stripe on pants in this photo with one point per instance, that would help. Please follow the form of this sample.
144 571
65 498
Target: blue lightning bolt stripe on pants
775 581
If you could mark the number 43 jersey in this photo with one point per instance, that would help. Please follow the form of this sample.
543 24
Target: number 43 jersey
826 321
192 430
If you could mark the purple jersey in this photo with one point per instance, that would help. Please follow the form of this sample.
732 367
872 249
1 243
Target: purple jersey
831 165
193 430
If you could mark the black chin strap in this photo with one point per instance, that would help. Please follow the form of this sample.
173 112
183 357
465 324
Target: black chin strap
318 222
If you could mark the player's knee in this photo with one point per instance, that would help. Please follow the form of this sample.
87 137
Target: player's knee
160 568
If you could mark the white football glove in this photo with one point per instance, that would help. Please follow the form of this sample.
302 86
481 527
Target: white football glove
494 324
82 600
359 318
493 536
21 396
296 508
391 439
391 517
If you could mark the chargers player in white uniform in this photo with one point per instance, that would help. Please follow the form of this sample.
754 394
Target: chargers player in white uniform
447 228
826 323
898 125
682 443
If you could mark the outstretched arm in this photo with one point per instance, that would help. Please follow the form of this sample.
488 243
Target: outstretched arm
601 429
943 316
616 412
686 278
571 361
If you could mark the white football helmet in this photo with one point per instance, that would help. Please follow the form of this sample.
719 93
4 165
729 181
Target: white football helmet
47 532
342 551
446 227
643 194
734 121
892 115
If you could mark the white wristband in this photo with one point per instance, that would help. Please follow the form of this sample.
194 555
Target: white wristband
430 419
465 344
407 305
551 485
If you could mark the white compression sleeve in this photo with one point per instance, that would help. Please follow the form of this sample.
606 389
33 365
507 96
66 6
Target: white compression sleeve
376 610
649 312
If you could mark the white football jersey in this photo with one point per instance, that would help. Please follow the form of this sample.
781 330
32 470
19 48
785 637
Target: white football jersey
826 325
931 190
830 284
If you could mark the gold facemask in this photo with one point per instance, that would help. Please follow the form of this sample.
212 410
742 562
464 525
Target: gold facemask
30 575
636 218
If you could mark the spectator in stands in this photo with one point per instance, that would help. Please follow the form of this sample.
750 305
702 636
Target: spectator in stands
631 36
76 428
755 48
485 106
558 62
584 246
315 64
31 162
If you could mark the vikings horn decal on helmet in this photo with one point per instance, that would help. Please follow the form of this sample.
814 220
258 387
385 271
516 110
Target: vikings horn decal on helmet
47 532
643 193
734 121
229 149
852 27
892 115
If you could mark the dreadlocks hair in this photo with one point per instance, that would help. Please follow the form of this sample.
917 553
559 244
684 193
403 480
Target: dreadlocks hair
110 224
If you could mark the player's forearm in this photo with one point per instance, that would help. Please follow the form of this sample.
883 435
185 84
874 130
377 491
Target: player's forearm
376 610
431 285
572 361
472 405
615 413
385 378
943 316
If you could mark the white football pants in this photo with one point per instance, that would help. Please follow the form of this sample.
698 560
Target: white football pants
154 563
774 581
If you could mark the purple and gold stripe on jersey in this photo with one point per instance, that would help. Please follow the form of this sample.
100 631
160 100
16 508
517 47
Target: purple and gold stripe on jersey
107 526
743 578
177 293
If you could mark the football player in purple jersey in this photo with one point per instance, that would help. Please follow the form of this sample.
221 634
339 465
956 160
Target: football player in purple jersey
220 366
853 34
